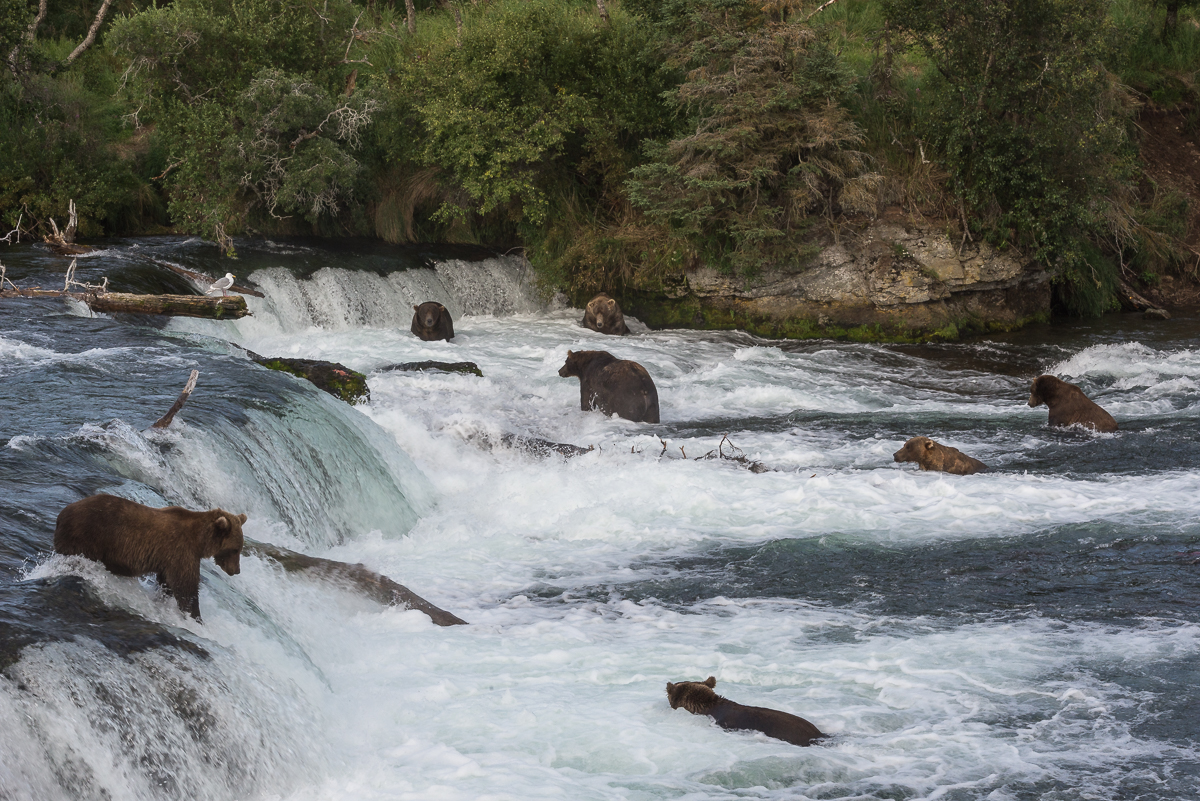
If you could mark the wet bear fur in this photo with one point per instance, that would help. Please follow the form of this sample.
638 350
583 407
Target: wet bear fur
699 698
133 540
431 321
1068 405
604 315
930 455
612 385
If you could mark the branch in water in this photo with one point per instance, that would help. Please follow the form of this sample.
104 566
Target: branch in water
166 419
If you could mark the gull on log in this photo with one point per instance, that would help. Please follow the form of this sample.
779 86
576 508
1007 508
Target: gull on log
222 284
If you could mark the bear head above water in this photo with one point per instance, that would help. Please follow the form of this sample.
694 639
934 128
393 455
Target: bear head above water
699 698
930 455
431 321
1068 405
604 315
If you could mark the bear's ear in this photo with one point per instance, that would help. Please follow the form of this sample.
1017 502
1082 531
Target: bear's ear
711 682
416 308
242 518
568 354
928 444
221 525
670 687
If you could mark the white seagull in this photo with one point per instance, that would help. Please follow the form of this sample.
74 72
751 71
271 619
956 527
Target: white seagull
222 284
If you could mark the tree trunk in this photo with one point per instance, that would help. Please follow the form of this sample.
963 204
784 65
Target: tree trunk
1172 18
411 11
231 307
227 308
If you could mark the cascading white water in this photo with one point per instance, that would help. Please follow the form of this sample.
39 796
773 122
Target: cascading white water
570 571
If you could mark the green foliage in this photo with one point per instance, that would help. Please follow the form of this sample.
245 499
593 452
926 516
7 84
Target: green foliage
1023 114
768 142
531 95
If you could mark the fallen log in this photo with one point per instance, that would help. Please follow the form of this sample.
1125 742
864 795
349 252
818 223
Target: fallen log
1132 301
230 308
357 577
204 278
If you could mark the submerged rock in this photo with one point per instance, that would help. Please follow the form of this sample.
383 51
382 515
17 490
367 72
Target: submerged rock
336 379
1156 314
465 368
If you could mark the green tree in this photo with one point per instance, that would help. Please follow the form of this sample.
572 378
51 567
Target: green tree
767 144
1023 113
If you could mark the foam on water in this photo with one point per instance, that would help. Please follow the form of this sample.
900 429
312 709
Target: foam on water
556 688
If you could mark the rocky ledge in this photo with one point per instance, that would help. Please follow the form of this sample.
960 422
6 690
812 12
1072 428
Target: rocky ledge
894 280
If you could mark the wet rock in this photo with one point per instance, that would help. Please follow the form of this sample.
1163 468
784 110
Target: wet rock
1156 314
465 368
531 445
336 379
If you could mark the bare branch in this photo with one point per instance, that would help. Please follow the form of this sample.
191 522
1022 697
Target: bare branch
603 11
7 238
819 9
91 35
29 35
166 419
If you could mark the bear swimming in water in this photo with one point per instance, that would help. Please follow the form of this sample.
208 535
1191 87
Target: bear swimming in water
699 698
431 321
1068 405
604 315
931 455
612 385
133 540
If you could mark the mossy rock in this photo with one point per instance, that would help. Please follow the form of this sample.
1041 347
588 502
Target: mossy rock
336 379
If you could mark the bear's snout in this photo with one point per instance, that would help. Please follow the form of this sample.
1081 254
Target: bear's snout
562 372
229 561
898 456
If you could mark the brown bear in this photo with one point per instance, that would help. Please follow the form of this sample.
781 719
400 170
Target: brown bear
604 315
931 455
133 540
699 698
612 385
431 321
1068 405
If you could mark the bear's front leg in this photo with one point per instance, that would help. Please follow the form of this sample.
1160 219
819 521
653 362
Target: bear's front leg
184 585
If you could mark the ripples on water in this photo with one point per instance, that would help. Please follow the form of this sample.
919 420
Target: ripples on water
1028 633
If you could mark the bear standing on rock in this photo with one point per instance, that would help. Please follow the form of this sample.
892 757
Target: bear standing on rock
930 455
133 540
604 315
431 321
699 698
1068 405
612 385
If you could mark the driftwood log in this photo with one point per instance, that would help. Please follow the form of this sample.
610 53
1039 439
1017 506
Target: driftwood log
204 278
356 577
214 308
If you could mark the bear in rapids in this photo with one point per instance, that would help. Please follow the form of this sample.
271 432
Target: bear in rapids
931 455
431 321
133 540
699 698
1068 405
604 315
612 385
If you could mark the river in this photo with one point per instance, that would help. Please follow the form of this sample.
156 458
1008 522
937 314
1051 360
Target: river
1028 633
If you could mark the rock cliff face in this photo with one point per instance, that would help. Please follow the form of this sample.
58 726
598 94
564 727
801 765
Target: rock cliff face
891 281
